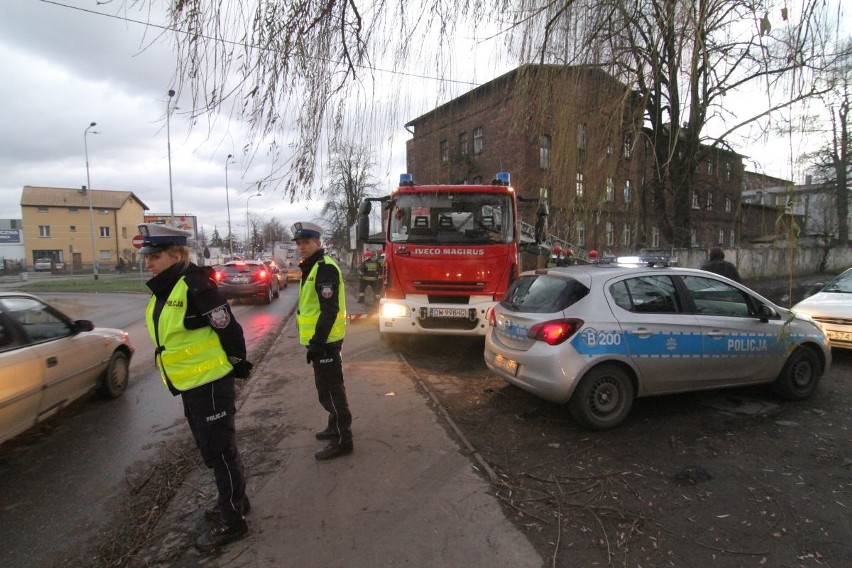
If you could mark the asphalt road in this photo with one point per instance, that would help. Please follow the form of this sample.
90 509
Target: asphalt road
60 483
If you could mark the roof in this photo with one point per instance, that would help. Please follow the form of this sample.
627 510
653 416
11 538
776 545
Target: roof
32 196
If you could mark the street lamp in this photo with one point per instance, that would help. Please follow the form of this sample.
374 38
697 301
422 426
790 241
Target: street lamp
228 203
89 186
169 148
247 215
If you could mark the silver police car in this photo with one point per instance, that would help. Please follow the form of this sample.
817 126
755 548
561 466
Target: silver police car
597 336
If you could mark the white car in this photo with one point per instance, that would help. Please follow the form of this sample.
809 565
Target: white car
831 307
597 336
48 360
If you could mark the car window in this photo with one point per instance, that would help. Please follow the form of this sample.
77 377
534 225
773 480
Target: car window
646 294
717 298
36 319
842 283
7 335
543 294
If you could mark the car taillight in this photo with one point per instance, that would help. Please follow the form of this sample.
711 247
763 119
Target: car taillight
218 276
492 319
555 332
263 274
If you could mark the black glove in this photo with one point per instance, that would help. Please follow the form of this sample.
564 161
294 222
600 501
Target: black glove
315 353
242 369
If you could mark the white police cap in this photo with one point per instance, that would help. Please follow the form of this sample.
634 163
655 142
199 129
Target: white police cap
306 231
157 237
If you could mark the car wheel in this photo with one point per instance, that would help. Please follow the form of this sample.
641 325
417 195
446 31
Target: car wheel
800 375
603 398
267 298
277 290
115 376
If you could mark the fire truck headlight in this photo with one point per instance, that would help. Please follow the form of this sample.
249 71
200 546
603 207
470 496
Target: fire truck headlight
392 310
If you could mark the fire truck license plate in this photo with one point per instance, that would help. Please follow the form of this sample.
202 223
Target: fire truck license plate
507 365
447 312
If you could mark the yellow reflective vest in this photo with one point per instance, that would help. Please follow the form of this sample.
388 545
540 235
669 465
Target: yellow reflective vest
309 306
185 358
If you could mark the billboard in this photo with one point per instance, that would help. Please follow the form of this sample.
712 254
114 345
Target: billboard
10 237
182 222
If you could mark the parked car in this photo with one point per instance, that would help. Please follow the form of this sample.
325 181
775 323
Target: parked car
247 279
831 308
48 360
43 264
279 274
294 273
598 336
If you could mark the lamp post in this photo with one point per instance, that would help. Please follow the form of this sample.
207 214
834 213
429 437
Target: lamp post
169 149
247 216
89 189
228 203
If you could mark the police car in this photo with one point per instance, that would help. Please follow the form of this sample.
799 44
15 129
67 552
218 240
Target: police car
597 336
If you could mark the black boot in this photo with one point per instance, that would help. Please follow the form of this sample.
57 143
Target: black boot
221 534
335 450
326 434
213 513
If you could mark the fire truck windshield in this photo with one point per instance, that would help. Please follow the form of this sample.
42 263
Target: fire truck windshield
452 218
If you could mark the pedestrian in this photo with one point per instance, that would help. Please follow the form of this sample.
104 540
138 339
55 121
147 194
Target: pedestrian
369 277
321 319
199 350
120 265
719 265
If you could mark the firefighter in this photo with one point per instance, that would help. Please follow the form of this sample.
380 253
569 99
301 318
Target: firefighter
200 350
554 259
370 274
321 319
569 257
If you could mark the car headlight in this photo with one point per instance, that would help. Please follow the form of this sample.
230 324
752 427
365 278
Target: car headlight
392 310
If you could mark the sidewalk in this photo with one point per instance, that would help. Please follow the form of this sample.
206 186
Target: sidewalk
408 496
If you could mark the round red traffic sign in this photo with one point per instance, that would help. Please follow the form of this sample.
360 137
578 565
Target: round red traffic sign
137 241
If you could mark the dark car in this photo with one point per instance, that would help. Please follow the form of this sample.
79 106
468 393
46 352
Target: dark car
276 270
247 279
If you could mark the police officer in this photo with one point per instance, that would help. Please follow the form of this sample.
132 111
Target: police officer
200 349
369 276
321 319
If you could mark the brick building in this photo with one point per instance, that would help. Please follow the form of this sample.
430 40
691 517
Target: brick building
576 131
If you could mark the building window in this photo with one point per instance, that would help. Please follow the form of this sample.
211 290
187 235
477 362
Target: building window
581 136
44 230
581 233
628 146
709 201
477 140
625 235
41 209
694 238
733 241
709 167
609 234
544 152
72 209
727 204
580 182
721 236
628 191
727 171
477 180
609 148
73 228
445 151
105 255
655 237
104 231
124 232
610 190
695 203
463 144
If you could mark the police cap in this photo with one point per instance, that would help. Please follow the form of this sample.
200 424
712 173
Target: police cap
306 231
157 237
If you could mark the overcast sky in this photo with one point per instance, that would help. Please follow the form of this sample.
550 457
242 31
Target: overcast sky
65 68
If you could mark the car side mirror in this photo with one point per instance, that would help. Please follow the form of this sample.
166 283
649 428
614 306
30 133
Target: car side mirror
766 313
83 325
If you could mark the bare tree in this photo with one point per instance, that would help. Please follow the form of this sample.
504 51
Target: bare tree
350 181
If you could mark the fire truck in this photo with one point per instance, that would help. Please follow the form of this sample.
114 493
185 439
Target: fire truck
451 252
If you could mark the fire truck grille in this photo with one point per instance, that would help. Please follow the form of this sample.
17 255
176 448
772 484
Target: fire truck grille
426 285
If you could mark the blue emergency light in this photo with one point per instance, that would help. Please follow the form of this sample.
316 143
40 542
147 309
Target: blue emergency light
406 179
503 178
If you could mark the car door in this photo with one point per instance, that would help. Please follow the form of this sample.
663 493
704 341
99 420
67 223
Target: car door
738 347
663 340
70 362
21 381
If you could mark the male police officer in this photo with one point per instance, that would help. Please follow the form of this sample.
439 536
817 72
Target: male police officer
369 276
321 319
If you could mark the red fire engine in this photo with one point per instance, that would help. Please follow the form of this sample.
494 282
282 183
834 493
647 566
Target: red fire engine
451 252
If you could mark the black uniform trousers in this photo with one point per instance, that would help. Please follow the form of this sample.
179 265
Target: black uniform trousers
328 376
210 410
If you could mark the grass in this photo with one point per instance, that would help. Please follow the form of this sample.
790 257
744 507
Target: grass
86 283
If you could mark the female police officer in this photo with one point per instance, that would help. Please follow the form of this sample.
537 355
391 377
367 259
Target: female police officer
200 348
